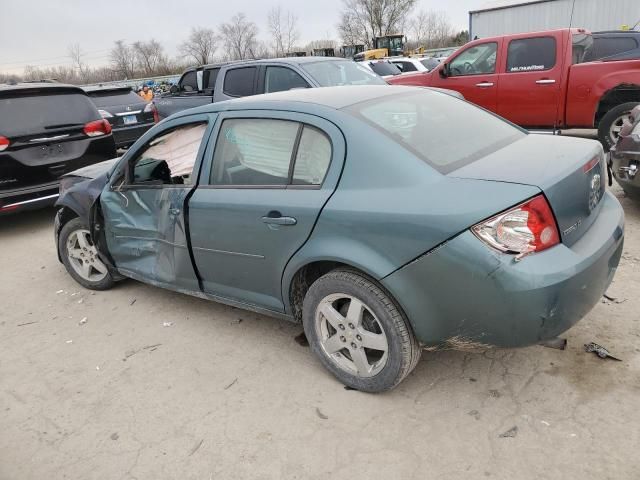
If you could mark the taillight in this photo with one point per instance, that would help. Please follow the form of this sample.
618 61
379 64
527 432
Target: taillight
104 114
4 143
527 228
97 128
150 107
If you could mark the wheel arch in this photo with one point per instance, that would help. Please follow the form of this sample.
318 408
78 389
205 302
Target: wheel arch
621 93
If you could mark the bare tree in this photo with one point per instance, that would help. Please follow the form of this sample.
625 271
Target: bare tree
365 19
283 27
76 55
240 37
123 59
201 45
431 29
150 57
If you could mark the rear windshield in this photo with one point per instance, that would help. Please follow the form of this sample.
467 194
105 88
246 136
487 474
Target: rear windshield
40 112
113 98
384 68
444 131
342 72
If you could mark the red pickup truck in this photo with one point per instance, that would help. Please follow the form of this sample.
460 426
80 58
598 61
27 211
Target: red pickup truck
540 80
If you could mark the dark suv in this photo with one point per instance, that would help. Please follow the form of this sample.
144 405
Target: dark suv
129 115
46 130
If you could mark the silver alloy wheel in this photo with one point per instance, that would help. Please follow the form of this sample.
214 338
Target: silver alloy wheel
616 126
351 335
83 256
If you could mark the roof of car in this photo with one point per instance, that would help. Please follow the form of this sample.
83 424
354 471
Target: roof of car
288 60
8 88
105 88
331 97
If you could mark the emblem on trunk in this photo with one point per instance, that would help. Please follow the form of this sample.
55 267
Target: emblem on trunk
595 192
128 108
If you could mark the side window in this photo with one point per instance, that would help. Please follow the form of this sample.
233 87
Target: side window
189 82
477 60
313 157
169 158
210 77
399 65
239 82
278 79
531 54
254 152
408 67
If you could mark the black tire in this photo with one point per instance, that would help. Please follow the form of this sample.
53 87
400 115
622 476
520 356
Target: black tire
403 350
611 117
69 229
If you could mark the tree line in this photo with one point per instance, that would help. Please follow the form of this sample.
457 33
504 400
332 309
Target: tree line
238 39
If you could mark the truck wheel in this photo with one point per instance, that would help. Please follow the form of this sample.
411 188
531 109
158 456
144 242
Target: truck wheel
611 124
80 257
358 333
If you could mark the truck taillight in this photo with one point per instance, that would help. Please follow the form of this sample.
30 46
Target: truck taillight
97 128
150 107
4 143
527 228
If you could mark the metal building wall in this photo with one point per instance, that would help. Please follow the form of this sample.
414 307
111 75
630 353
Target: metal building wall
593 15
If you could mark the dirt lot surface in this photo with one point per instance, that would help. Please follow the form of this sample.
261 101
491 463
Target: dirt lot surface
140 383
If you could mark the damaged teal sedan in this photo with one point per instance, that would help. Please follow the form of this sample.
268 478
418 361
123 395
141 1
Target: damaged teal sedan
386 220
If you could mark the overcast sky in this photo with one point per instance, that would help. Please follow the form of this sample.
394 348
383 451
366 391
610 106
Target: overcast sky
38 32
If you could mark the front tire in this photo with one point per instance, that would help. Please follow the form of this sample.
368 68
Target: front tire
611 124
80 257
358 333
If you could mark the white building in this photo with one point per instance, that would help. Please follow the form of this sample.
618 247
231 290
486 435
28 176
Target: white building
519 16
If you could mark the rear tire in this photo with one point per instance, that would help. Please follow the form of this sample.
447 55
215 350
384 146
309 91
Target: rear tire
358 333
611 124
80 257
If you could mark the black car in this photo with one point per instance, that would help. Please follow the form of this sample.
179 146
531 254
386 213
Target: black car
46 130
129 115
624 159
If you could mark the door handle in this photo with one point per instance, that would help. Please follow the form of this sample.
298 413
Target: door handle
545 81
276 218
484 84
174 212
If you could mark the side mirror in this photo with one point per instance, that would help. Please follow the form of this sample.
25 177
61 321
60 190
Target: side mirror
174 89
445 71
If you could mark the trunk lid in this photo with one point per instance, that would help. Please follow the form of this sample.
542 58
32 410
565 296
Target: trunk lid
570 171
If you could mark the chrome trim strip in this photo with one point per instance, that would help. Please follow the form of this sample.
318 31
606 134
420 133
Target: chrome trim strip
124 114
25 202
237 254
49 139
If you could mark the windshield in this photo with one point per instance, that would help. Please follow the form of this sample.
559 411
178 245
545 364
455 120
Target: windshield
384 68
341 72
112 98
422 122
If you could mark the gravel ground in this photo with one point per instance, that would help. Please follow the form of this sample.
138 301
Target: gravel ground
141 383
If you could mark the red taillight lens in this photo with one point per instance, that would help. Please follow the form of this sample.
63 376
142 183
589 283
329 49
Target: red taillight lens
530 227
4 143
97 128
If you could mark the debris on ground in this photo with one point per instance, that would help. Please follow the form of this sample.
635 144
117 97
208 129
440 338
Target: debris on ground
613 299
198 445
511 433
301 340
545 423
471 379
81 300
599 350
97 367
235 321
475 414
151 348
83 321
114 436
494 393
69 341
167 324
133 301
23 324
321 415
231 384
59 292
347 387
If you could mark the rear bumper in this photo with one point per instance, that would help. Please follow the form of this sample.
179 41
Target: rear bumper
30 198
464 294
126 136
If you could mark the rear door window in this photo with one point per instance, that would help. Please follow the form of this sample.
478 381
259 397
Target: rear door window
312 158
240 82
531 54
43 112
278 79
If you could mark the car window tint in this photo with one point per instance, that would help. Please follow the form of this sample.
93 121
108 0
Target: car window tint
607 46
115 98
421 122
169 158
531 54
278 79
313 157
254 152
384 68
34 113
189 82
408 67
341 72
477 60
430 63
239 82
